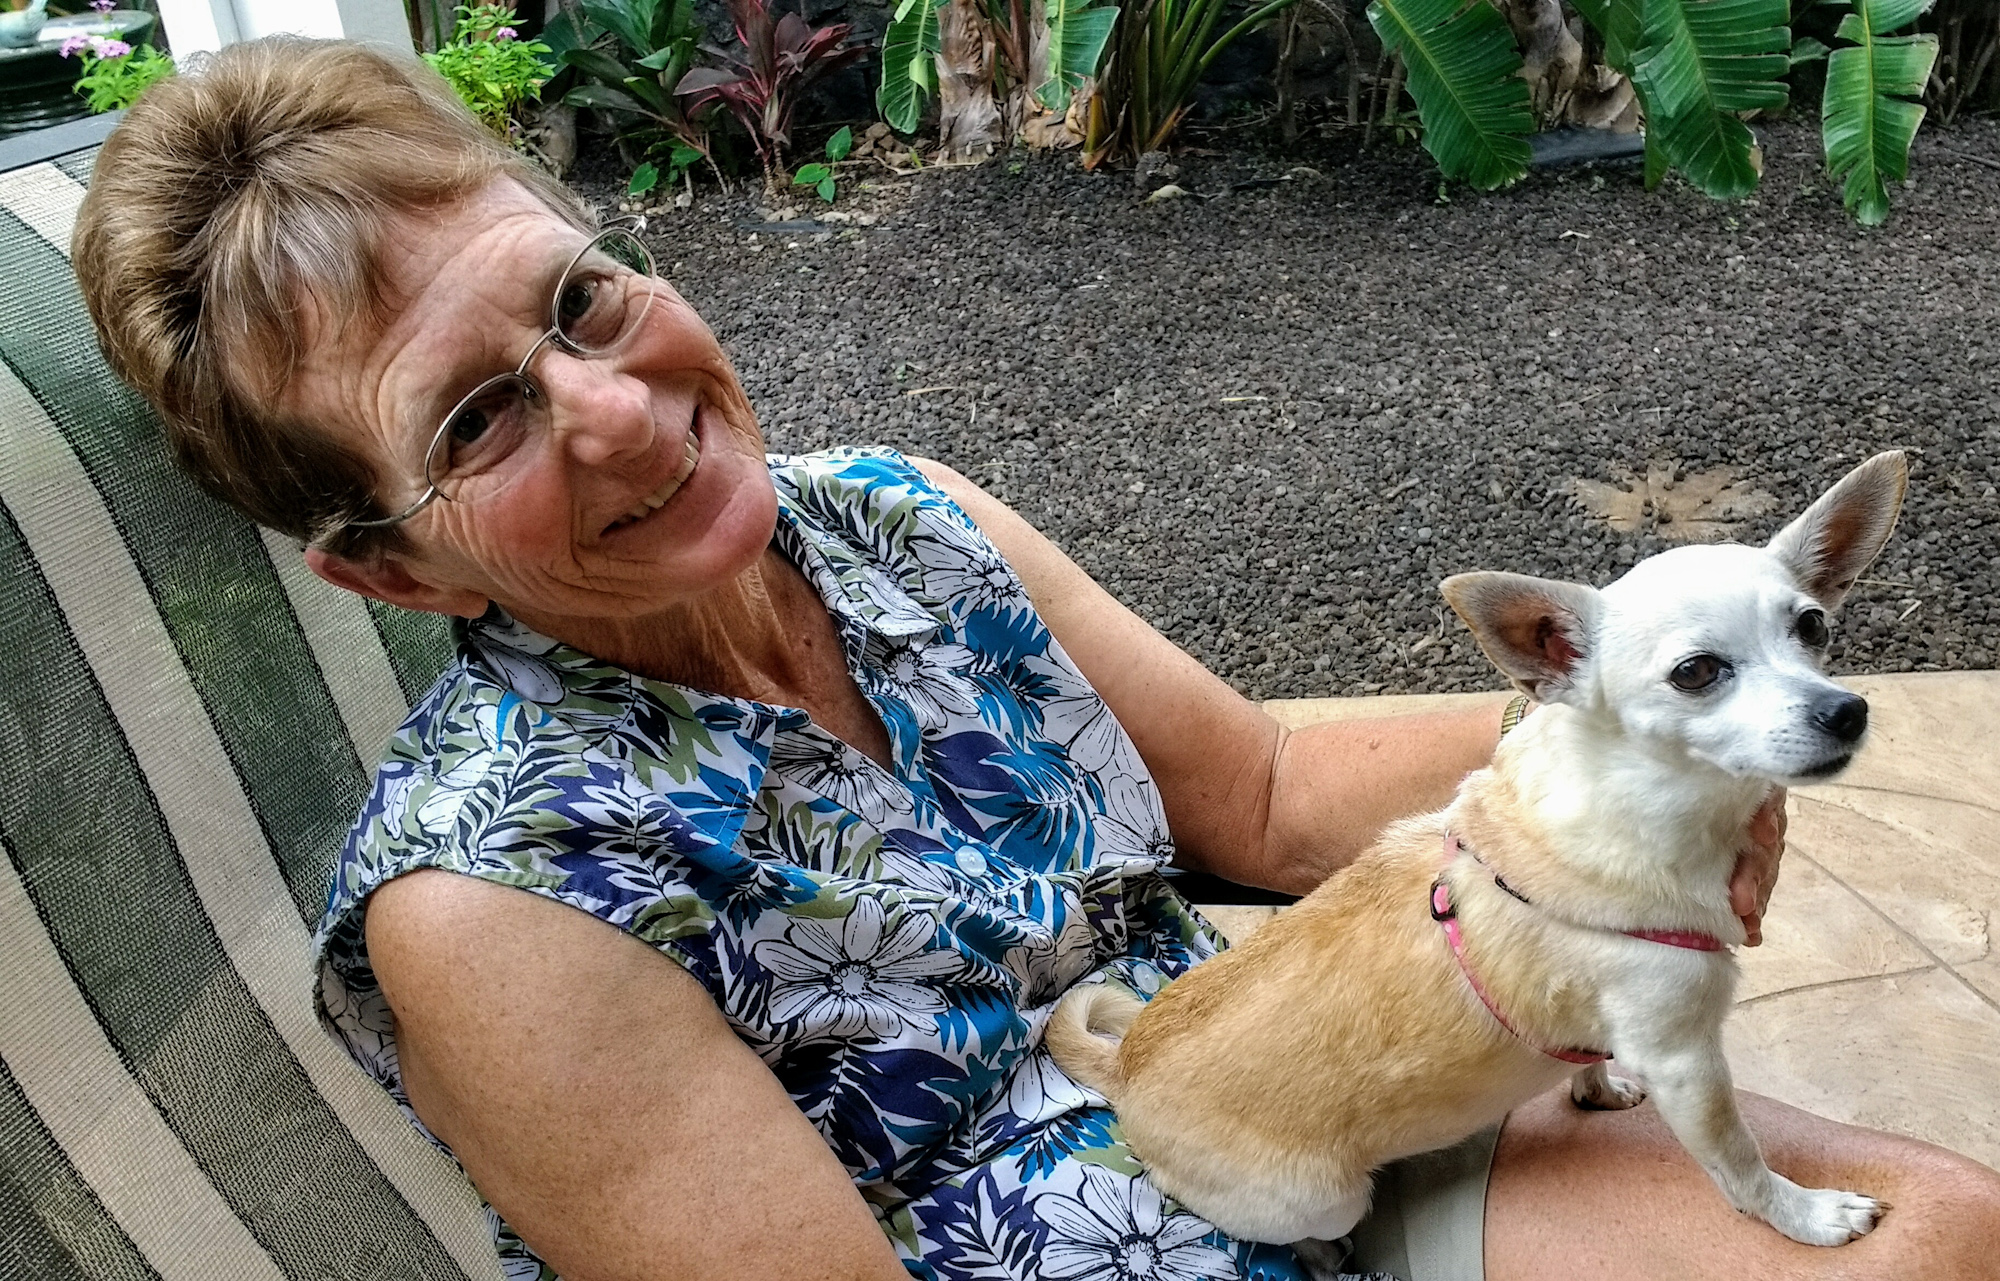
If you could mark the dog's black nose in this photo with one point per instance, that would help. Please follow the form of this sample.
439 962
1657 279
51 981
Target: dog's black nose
1845 717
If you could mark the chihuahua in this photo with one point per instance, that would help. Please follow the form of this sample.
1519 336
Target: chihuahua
1570 905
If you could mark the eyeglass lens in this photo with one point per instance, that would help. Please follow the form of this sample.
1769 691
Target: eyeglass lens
598 305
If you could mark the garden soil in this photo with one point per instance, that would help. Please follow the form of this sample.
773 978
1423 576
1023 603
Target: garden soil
1271 415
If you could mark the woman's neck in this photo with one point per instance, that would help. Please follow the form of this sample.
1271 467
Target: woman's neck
742 639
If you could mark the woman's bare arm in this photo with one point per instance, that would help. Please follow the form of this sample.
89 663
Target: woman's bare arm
599 1100
1245 798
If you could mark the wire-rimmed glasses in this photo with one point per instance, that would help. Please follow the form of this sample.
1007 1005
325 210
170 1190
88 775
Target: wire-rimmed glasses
600 301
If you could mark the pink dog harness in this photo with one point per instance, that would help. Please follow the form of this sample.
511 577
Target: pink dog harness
1445 913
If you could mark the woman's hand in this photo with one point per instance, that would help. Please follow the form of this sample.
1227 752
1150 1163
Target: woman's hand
1757 866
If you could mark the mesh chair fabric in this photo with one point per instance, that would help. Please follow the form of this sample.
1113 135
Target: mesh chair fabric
189 720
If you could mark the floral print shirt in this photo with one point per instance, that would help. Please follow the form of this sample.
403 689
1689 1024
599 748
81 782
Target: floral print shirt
889 941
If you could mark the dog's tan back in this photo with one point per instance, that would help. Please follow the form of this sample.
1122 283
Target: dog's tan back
1278 1075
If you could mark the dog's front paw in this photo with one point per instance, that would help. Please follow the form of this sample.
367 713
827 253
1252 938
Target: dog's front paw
1823 1216
1605 1093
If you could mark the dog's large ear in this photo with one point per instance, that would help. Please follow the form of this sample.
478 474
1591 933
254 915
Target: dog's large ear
1538 632
1841 535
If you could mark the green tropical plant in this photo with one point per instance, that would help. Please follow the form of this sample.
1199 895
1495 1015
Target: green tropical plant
1078 32
1867 120
909 63
633 55
674 159
114 73
1464 73
1159 50
820 176
1698 65
1698 68
492 70
1008 83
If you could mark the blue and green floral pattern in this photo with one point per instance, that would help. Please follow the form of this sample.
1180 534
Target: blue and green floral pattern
889 941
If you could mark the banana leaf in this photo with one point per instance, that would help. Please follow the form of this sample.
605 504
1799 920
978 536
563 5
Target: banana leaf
1699 64
1078 32
1619 22
1866 120
909 63
648 91
1464 74
631 21
606 98
596 64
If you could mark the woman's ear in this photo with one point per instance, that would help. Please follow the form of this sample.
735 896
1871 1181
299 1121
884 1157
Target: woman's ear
1537 631
386 578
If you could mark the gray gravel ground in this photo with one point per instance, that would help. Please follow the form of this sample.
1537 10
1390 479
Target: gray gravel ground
1271 422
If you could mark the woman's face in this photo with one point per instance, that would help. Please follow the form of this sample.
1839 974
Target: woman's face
549 533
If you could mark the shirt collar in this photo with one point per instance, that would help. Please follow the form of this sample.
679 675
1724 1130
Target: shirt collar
847 578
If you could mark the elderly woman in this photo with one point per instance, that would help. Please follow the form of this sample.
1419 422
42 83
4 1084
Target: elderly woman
709 907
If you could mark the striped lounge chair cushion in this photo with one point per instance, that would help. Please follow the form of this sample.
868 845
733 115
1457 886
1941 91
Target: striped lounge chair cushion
189 718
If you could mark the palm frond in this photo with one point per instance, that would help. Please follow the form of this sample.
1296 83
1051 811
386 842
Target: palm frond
1463 69
909 63
1078 32
1866 119
1698 65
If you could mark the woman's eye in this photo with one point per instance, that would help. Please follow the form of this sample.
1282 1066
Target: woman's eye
575 301
1698 673
591 313
471 423
483 431
1812 628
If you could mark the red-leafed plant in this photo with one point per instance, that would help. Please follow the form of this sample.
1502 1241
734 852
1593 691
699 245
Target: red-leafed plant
785 58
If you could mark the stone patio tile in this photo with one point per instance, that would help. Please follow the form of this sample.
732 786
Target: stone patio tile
1817 931
1932 866
1931 734
1984 975
1297 712
1913 1054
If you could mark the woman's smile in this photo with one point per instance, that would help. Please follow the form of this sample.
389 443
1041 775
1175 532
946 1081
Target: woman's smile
650 503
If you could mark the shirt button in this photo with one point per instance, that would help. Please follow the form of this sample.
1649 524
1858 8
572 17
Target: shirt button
970 861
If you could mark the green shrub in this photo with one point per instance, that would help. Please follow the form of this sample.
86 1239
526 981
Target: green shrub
492 70
114 73
633 54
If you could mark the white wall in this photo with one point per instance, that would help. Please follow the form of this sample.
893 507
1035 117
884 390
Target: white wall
196 25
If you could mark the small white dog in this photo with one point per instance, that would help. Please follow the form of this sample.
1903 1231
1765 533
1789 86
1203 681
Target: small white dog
1571 904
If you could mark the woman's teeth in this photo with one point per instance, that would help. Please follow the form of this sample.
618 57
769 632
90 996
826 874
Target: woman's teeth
691 452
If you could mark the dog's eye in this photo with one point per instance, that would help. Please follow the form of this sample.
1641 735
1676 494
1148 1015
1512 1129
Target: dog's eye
1698 673
1812 628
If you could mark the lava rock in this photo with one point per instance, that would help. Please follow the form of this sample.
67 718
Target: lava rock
1271 424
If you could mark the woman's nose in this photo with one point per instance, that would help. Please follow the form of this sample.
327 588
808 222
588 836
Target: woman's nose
599 413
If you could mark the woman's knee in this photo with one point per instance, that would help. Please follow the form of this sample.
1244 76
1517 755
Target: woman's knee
1951 1211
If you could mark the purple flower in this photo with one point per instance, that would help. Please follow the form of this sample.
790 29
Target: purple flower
109 48
505 33
104 6
73 46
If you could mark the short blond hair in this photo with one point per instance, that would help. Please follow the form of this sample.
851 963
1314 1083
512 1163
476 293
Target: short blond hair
241 198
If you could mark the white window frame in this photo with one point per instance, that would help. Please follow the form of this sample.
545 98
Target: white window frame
195 26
